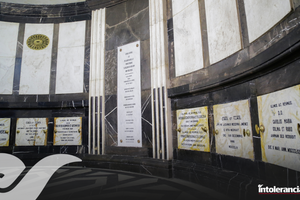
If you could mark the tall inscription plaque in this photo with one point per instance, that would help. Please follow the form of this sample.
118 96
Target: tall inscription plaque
4 132
233 129
67 131
31 132
279 118
192 129
129 96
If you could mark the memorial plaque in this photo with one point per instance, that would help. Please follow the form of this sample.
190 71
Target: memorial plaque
233 129
67 131
279 118
192 129
31 132
129 96
4 132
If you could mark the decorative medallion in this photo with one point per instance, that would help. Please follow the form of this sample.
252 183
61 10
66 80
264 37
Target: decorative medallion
38 42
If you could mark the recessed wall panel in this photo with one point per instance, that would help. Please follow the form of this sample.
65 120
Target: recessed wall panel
187 37
263 15
36 64
8 41
279 118
70 58
223 29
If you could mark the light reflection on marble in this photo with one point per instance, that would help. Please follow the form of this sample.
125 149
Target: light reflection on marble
8 41
263 15
223 29
35 69
187 38
70 58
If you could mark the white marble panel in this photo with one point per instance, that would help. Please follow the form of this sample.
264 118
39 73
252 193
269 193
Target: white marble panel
36 64
69 72
4 131
129 96
70 58
187 40
71 34
279 114
45 2
31 132
179 5
233 133
7 66
223 29
8 41
263 15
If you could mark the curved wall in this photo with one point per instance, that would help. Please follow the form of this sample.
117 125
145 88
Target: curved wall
218 61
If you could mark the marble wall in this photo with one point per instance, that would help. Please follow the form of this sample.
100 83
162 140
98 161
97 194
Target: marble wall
42 2
70 57
8 41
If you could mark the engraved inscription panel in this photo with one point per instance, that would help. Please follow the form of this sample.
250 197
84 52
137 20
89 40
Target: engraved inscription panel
4 132
233 129
279 115
67 131
31 132
129 96
192 129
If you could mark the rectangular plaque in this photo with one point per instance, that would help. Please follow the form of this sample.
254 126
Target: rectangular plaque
31 132
67 131
279 114
129 96
4 132
192 129
233 129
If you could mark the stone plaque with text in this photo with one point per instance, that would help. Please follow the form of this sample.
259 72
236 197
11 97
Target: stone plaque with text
192 129
129 96
233 132
31 132
279 115
4 132
67 131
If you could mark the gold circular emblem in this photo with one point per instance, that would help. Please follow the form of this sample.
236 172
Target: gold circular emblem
38 42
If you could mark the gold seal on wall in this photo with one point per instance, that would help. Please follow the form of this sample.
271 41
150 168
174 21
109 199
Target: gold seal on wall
38 42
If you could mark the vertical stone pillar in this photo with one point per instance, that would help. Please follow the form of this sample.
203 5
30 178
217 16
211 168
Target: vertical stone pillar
96 96
161 119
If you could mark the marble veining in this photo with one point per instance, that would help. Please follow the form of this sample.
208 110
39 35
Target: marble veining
223 30
187 39
267 13
70 58
8 41
36 64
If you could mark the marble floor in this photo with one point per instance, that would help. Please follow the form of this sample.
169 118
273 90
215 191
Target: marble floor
77 183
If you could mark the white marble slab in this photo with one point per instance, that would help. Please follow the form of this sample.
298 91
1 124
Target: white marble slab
4 132
187 38
179 5
129 96
263 15
233 132
192 129
223 30
8 41
39 2
36 64
279 113
70 58
67 131
31 132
